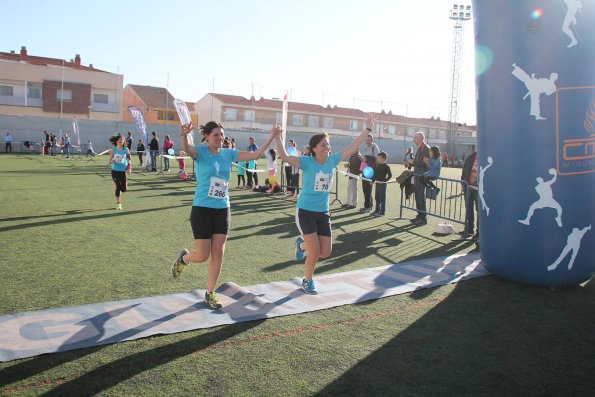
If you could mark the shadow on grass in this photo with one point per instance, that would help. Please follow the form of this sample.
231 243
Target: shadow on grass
110 374
64 219
488 337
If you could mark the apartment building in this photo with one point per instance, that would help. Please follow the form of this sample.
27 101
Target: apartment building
239 113
33 85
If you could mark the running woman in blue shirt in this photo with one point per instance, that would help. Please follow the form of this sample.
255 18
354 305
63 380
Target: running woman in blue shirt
313 218
210 216
119 157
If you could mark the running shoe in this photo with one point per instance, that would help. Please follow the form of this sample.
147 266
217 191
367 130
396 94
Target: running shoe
119 206
300 254
212 300
309 287
179 265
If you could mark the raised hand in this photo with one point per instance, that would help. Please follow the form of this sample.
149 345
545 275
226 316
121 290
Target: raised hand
369 123
186 128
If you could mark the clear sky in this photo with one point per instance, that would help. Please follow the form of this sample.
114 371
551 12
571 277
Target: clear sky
363 53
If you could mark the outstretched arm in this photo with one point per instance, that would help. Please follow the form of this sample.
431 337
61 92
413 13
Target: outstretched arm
184 131
245 155
368 125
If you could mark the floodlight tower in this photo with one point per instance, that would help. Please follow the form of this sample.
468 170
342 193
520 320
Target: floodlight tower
459 14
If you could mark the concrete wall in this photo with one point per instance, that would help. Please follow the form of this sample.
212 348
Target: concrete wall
29 128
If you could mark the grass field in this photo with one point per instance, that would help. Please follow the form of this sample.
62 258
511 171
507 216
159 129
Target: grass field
63 244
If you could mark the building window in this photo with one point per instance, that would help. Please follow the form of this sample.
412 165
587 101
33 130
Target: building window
312 121
163 115
328 122
442 134
6 90
410 131
353 124
249 115
278 118
298 119
64 95
432 133
34 92
231 114
100 98
392 129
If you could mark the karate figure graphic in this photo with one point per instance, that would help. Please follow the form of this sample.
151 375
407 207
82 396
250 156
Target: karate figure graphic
573 243
535 88
546 199
481 192
572 8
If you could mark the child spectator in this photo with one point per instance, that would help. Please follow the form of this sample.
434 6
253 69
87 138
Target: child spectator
251 165
271 156
381 174
90 151
182 174
434 167
241 172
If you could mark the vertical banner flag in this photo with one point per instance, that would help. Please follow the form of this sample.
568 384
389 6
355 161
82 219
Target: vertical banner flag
184 116
139 120
75 127
284 116
536 141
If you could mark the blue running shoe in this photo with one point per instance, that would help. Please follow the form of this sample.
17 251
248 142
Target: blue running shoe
300 254
309 287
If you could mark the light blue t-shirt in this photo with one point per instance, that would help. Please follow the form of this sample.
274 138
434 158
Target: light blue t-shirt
212 177
120 160
317 182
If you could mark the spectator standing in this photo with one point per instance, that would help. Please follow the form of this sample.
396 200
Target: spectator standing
381 174
153 151
67 145
167 144
407 157
90 151
129 142
369 154
445 159
420 166
252 147
8 143
140 151
353 166
470 175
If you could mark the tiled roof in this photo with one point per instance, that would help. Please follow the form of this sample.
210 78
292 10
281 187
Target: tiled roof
154 97
43 61
293 106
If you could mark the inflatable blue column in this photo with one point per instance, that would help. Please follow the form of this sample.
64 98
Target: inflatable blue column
535 74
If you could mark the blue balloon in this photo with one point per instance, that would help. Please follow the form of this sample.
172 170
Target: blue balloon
170 151
368 172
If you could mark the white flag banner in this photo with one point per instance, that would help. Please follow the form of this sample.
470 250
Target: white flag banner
139 120
75 127
284 116
184 115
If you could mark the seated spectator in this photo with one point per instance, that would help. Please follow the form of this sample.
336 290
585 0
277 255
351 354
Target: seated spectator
434 167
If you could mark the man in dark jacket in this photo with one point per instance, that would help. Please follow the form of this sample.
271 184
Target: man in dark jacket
420 166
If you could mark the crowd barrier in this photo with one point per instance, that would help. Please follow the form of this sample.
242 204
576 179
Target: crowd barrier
449 203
